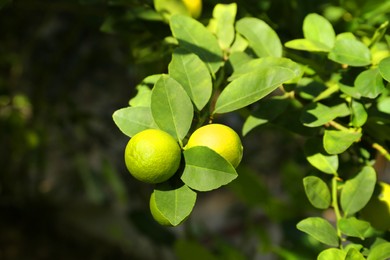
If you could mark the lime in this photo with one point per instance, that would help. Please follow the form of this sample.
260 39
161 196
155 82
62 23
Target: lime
377 210
152 156
194 7
220 138
156 213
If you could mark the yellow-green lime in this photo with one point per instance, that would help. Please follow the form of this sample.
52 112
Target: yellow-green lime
156 213
377 210
152 156
194 7
220 138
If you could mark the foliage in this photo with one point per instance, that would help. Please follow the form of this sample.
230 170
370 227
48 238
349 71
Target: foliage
337 82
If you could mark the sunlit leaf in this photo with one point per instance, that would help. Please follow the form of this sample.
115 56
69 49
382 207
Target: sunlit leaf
206 170
171 107
384 68
359 114
336 141
224 17
131 120
350 52
354 254
369 83
261 37
193 75
317 192
316 28
194 37
320 229
251 87
381 251
317 157
175 204
357 191
317 114
354 227
332 254
307 45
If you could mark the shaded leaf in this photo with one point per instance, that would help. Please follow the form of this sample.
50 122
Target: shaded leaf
336 141
194 37
261 37
193 75
369 83
384 105
317 192
357 191
131 120
320 229
192 250
250 88
171 107
175 204
206 170
354 227
350 52
317 114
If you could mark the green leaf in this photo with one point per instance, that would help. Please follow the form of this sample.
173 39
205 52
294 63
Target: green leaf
354 254
131 120
261 37
317 114
369 83
192 250
194 37
317 157
384 68
354 227
384 105
317 29
267 110
359 114
332 254
206 170
380 252
350 52
336 142
175 204
169 7
306 45
320 229
171 107
263 63
317 192
357 191
193 75
144 92
251 87
224 17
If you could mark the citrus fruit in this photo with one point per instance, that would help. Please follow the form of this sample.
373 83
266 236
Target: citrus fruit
152 156
377 210
220 138
194 7
156 213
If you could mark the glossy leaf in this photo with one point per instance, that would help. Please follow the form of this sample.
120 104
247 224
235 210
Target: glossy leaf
350 52
359 114
194 37
193 75
131 120
317 192
317 157
369 83
317 29
380 252
317 114
306 45
224 17
320 229
263 63
171 107
206 170
250 88
261 37
354 227
357 191
332 254
175 204
384 68
336 142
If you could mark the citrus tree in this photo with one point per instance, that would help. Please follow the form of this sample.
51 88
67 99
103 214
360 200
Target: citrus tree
329 87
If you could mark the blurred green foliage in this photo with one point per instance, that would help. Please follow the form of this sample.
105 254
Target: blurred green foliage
65 66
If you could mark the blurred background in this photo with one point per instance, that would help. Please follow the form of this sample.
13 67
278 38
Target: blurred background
65 67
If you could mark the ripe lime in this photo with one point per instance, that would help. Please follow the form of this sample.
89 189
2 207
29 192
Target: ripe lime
377 210
194 7
152 156
220 138
156 213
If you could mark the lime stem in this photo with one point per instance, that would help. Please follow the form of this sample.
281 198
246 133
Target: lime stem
382 150
335 205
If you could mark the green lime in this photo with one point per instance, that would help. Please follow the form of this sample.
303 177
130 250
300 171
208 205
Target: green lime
152 156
